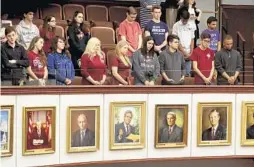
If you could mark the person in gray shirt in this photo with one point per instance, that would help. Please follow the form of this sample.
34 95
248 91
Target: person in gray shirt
172 63
228 63
145 63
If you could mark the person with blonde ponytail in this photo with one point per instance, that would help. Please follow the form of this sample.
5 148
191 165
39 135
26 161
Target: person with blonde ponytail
120 64
93 66
37 70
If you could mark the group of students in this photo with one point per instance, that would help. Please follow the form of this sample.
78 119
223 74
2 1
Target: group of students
47 61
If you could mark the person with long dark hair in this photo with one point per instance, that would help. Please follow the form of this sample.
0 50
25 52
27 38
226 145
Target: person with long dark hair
37 70
146 65
77 38
47 32
59 63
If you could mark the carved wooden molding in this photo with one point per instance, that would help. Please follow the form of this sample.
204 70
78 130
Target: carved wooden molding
57 90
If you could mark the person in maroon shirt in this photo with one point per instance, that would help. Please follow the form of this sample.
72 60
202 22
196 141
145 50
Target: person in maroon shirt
37 70
93 67
203 61
120 64
47 32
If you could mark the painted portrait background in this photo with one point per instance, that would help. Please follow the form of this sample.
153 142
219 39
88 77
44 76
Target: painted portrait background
205 116
5 129
136 118
90 114
250 119
179 116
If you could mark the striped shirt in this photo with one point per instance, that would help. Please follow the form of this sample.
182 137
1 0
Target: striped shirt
145 14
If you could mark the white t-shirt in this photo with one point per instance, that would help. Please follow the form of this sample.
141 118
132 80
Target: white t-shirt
192 18
185 33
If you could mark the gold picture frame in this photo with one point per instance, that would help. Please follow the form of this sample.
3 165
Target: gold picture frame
84 134
6 128
127 125
38 130
247 128
214 124
171 126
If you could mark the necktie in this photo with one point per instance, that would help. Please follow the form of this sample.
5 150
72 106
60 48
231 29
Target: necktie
127 127
213 132
169 131
82 136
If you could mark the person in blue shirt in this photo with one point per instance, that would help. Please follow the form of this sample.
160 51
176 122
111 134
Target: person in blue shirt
60 66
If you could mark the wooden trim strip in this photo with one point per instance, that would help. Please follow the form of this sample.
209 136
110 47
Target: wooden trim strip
151 160
33 90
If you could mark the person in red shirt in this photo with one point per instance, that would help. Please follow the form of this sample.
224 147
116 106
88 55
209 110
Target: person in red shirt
93 67
37 70
120 64
47 32
203 61
130 31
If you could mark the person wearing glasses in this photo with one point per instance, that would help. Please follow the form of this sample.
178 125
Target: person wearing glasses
47 32
130 31
203 61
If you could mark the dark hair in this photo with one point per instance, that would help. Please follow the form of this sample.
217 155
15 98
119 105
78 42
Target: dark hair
144 48
185 15
74 23
9 29
43 57
211 19
214 110
156 7
171 37
53 46
131 10
46 26
205 35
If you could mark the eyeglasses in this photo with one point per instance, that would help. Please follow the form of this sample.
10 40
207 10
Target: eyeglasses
207 41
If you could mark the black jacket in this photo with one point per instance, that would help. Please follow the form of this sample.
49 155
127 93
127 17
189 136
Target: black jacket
10 71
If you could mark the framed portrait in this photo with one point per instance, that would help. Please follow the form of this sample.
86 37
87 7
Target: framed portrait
127 125
38 130
6 128
171 126
83 129
247 136
214 124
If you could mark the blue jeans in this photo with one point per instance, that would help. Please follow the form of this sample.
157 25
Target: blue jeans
188 67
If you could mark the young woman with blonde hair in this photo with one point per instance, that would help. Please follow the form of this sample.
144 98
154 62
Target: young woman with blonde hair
93 66
120 64
37 70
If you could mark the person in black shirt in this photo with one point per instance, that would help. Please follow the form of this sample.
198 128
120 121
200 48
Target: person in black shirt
78 35
13 60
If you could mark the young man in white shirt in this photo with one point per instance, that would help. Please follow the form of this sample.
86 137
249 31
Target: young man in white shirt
184 31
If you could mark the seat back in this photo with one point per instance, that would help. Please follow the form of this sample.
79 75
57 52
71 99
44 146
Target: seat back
69 9
52 10
59 31
96 13
105 34
117 13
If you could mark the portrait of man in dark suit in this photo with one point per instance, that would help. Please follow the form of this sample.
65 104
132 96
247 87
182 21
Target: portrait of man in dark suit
83 136
124 129
250 131
216 131
170 133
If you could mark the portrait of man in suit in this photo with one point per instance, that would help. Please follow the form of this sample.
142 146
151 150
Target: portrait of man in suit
216 131
171 133
124 129
250 130
83 136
